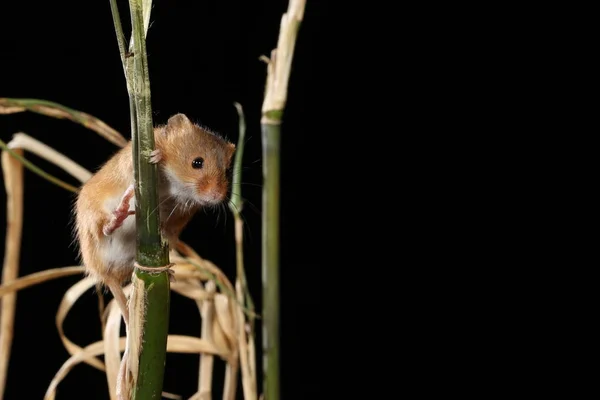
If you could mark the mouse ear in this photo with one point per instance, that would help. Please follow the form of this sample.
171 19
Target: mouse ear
178 122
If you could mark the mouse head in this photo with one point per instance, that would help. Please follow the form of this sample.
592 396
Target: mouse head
196 161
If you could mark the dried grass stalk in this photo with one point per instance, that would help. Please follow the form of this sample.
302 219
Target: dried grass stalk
21 140
88 353
188 277
67 302
280 64
36 169
248 372
39 277
12 167
112 353
224 329
51 109
207 360
137 308
191 291
226 317
13 178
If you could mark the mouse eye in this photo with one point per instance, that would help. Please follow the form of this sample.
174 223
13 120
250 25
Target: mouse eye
198 163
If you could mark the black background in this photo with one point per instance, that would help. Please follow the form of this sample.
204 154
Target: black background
203 56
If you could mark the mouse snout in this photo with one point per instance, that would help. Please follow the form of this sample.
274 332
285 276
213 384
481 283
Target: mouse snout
214 196
213 193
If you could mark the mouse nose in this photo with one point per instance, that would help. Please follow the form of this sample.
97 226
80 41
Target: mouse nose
216 195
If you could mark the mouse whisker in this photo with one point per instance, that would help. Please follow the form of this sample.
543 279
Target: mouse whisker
174 208
159 204
218 215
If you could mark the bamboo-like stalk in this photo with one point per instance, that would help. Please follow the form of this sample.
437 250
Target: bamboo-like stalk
151 307
127 59
278 72
152 249
127 62
270 261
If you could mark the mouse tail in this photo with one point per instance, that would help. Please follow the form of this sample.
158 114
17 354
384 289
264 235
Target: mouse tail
119 295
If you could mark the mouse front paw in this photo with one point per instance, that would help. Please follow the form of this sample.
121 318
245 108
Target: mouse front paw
120 214
155 156
118 217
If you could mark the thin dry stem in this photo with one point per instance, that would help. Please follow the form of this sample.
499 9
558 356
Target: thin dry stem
227 312
207 360
21 140
280 64
137 307
190 271
13 179
68 300
30 166
112 354
9 106
39 277
248 380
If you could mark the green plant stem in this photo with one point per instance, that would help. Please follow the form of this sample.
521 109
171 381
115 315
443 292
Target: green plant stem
114 9
237 202
278 73
152 248
236 205
270 259
154 348
127 62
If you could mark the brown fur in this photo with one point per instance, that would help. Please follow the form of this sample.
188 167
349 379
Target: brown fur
179 142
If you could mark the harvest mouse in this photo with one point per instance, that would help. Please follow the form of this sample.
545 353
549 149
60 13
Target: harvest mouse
193 165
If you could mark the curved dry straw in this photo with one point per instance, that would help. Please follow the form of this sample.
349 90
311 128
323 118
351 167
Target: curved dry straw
223 317
225 330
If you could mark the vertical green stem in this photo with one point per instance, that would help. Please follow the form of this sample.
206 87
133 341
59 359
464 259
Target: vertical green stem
270 259
278 74
127 61
152 249
236 204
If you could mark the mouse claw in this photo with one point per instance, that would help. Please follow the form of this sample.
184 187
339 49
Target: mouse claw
171 276
155 156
